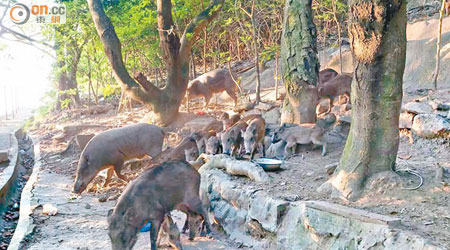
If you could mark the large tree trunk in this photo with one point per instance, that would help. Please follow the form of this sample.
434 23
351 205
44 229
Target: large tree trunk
300 64
165 102
377 32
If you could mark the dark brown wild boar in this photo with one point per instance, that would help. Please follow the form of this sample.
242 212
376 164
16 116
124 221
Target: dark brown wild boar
110 149
305 133
232 139
213 145
228 121
340 85
215 81
185 150
254 137
326 74
158 191
202 136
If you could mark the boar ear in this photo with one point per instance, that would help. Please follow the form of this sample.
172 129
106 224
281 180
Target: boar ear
129 215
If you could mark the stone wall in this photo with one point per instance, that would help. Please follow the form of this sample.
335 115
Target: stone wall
251 217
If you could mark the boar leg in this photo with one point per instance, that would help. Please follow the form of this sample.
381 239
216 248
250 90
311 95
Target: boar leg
109 174
262 147
322 143
207 98
186 224
154 230
288 146
197 208
117 168
331 104
233 96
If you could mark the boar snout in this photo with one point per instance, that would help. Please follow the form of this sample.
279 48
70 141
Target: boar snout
79 187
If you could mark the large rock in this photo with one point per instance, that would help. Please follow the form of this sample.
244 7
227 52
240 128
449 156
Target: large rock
272 116
406 120
267 211
417 108
3 156
431 126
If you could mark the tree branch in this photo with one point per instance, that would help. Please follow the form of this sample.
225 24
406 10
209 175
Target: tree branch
197 24
15 33
112 47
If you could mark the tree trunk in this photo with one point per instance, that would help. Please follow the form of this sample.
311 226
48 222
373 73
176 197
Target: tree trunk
176 53
338 25
277 55
300 64
438 45
379 49
256 54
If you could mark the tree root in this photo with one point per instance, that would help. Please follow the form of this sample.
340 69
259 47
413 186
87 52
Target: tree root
231 166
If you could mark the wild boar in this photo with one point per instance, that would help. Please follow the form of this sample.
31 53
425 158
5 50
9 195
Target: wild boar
254 137
159 190
207 131
111 148
300 134
232 139
215 81
185 150
213 145
228 121
326 74
340 85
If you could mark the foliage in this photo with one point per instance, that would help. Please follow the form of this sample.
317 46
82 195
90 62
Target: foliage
226 38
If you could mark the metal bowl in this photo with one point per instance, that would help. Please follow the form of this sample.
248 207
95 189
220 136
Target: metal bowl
269 164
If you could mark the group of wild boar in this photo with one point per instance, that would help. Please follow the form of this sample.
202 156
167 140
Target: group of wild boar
172 183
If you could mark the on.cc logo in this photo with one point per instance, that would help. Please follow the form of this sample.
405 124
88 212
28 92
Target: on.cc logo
19 13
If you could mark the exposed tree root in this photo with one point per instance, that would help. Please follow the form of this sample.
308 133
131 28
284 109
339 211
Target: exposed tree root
231 166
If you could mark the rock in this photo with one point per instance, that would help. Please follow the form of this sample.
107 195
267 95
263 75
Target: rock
82 140
417 108
3 156
430 126
264 106
331 167
244 107
326 121
103 198
347 117
266 211
406 120
272 116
